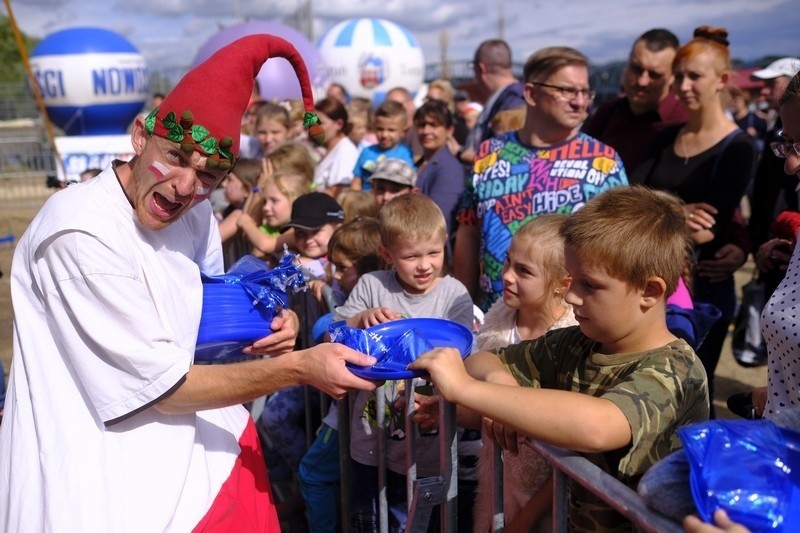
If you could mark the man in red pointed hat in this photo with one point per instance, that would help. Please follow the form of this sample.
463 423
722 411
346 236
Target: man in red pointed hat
108 425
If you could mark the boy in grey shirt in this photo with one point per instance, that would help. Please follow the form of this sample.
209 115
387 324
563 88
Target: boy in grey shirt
413 237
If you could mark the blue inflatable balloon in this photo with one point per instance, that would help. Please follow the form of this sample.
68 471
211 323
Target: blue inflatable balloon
277 79
93 81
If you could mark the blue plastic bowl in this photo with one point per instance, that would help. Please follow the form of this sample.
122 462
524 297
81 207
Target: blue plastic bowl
229 323
440 332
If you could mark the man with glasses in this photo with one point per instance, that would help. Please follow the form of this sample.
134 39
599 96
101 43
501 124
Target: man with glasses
493 74
630 123
548 166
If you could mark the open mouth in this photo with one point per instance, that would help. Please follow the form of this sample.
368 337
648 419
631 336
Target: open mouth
164 207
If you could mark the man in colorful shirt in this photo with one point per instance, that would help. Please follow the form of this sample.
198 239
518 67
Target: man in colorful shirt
548 166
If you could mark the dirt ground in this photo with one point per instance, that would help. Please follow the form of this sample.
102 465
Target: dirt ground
19 203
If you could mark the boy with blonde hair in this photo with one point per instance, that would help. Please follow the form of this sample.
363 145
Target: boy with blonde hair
413 237
618 385
391 123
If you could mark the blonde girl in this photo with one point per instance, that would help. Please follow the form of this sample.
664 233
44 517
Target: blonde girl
272 126
272 207
535 281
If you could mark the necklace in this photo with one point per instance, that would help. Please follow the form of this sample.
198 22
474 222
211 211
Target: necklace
685 153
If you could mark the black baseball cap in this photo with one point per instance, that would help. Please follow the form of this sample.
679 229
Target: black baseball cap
314 210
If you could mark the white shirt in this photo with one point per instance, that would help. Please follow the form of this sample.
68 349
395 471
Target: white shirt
336 168
106 314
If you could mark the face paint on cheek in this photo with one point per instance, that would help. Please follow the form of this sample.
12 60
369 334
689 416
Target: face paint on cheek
201 193
159 170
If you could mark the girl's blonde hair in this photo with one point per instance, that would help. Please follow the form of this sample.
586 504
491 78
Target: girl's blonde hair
357 204
270 111
289 183
448 93
294 157
545 232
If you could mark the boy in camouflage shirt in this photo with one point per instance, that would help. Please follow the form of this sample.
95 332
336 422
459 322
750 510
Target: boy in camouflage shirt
618 385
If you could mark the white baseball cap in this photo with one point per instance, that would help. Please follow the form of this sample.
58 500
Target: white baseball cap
786 66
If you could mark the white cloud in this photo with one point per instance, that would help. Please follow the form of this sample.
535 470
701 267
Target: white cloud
169 32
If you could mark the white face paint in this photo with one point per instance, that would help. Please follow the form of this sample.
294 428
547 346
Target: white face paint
159 170
201 192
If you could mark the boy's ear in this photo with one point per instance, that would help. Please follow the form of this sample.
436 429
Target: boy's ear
655 291
384 253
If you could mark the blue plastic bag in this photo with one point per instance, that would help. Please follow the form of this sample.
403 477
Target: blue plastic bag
751 469
239 306
393 352
399 342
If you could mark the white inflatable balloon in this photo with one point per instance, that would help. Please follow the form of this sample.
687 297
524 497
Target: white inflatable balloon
371 56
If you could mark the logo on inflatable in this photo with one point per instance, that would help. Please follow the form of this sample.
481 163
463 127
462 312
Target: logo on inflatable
93 81
371 71
369 56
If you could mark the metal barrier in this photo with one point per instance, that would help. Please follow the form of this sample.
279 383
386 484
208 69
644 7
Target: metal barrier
25 162
422 494
571 465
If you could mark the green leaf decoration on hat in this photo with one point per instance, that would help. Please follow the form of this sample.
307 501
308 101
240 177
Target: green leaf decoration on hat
199 133
175 133
226 154
209 145
150 121
169 121
309 119
174 130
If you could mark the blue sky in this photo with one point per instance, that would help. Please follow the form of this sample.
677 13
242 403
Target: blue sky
169 32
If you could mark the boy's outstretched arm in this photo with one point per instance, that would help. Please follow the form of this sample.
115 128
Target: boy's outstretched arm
567 419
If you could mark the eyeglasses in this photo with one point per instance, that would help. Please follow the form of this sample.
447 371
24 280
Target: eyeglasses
568 93
783 149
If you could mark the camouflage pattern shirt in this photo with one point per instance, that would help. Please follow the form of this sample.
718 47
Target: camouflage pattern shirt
657 391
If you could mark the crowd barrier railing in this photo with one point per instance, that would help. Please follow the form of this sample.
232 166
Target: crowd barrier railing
424 494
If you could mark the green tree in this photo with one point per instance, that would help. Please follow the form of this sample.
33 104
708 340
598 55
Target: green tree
10 57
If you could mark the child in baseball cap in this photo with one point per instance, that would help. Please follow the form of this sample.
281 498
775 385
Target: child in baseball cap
315 216
392 177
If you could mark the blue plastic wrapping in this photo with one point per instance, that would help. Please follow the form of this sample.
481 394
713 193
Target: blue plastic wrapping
239 306
692 325
397 343
751 469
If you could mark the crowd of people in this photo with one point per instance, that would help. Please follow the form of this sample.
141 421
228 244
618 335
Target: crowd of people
558 229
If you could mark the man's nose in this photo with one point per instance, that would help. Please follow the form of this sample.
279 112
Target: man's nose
185 182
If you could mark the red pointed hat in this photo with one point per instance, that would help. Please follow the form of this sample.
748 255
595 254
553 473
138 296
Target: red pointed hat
203 112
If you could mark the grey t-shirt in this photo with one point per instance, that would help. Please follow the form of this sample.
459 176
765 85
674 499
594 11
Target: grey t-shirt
449 299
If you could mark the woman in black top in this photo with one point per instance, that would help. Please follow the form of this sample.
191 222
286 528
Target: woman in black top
708 163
